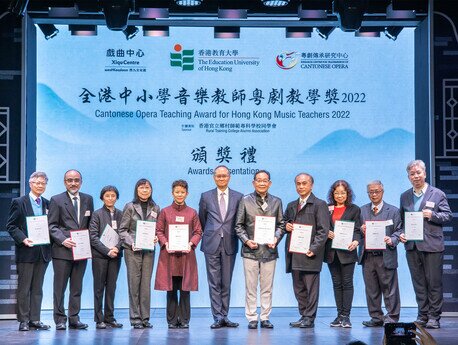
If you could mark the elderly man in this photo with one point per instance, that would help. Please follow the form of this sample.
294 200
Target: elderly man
425 257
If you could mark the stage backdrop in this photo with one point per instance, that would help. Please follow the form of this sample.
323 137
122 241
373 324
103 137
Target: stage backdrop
174 108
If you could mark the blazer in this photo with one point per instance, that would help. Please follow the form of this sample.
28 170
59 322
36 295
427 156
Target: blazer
390 213
314 212
213 225
99 220
62 218
433 237
352 213
16 225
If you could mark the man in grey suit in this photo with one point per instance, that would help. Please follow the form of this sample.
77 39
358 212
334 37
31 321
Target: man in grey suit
380 265
425 258
70 210
217 210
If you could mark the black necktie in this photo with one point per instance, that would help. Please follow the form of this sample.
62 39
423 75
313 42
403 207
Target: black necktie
75 206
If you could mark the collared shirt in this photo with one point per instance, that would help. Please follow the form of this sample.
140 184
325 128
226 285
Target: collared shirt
418 197
302 202
422 191
225 196
79 203
379 207
37 209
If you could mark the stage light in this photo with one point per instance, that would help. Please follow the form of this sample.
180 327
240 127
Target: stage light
392 32
399 14
116 14
83 30
350 13
325 31
314 9
153 13
188 3
130 32
368 32
48 30
227 32
275 3
18 7
156 31
298 32
64 12
224 13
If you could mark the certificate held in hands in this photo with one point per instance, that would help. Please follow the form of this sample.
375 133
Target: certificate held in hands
37 230
109 238
375 235
300 238
82 250
343 234
264 229
145 234
179 237
413 226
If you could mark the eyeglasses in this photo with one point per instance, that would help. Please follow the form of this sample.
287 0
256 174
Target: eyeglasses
40 183
374 192
221 176
73 180
262 181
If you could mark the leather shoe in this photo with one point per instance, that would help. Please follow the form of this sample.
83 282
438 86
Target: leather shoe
114 324
253 324
184 325
307 323
39 325
138 326
61 326
266 324
100 325
78 325
24 326
297 323
173 326
229 323
373 323
217 324
433 324
147 324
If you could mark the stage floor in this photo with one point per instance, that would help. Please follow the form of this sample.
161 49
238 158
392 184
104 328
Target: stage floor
201 334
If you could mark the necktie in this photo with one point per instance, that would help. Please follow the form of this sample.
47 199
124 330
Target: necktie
222 206
375 210
300 205
38 201
75 206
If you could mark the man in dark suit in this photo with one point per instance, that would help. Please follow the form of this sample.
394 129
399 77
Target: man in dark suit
217 210
70 210
380 265
425 258
31 261
305 268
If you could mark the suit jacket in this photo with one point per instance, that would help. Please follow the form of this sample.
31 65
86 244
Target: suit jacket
388 212
17 227
314 212
213 225
433 238
62 218
99 220
352 213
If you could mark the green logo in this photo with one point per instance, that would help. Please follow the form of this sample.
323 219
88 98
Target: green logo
183 58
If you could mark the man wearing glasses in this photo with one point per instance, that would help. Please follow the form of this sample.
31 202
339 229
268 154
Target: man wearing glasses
217 209
259 218
70 210
380 264
31 261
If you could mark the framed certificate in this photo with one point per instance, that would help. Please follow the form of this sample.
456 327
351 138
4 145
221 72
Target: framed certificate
37 230
413 226
264 229
109 238
82 250
145 234
179 237
375 235
343 234
301 237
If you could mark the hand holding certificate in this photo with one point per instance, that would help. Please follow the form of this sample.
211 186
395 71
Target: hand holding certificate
109 238
300 238
264 230
82 248
37 230
343 234
145 235
375 235
178 237
414 226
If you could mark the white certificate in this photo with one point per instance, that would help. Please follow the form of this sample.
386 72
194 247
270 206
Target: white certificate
300 238
145 234
38 230
82 250
413 225
179 237
264 229
375 234
343 234
109 238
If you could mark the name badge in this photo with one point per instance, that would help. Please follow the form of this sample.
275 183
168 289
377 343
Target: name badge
154 214
430 204
389 222
114 224
87 213
179 219
331 208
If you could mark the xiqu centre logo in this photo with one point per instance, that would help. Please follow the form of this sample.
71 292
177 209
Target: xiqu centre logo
287 60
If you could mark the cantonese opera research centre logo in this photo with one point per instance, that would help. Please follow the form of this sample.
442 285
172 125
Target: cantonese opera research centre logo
287 60
183 58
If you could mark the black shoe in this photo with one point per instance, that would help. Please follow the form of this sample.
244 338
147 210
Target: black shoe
147 324
61 326
78 325
253 324
337 322
114 324
217 324
184 325
39 325
346 322
373 323
24 326
173 326
421 322
307 323
100 325
138 326
229 323
433 324
297 323
266 324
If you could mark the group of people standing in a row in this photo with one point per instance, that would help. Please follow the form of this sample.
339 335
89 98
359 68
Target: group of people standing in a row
224 218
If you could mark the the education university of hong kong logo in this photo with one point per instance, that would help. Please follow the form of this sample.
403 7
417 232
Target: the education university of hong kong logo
183 58
287 60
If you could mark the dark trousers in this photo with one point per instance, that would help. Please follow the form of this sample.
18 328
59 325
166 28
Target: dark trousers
219 276
342 283
65 270
178 311
426 273
30 289
105 272
379 281
306 287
